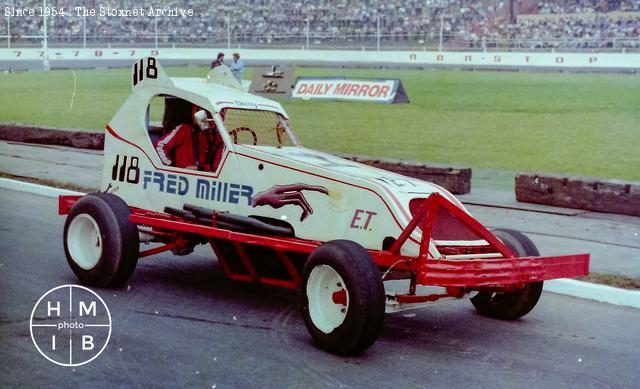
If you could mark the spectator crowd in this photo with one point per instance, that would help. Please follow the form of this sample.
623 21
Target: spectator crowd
587 6
573 24
561 24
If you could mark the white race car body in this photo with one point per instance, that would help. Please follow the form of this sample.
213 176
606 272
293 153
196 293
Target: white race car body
361 203
356 241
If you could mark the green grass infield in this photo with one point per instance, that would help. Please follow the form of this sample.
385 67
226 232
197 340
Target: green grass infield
579 124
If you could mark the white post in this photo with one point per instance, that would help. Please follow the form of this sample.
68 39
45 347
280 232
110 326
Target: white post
45 43
9 29
227 19
308 21
45 60
156 26
84 31
378 34
441 28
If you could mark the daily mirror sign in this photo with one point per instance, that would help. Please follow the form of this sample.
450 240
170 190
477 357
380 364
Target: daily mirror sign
335 88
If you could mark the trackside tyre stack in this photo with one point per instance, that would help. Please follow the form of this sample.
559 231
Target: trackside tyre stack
510 306
343 297
100 243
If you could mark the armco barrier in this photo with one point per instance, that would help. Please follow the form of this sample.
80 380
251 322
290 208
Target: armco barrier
588 193
455 180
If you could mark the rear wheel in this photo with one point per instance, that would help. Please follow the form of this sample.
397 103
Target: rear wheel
100 243
344 300
510 306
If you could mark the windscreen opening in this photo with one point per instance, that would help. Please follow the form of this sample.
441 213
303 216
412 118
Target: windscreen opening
260 128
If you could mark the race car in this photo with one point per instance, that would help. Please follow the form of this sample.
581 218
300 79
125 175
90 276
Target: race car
224 168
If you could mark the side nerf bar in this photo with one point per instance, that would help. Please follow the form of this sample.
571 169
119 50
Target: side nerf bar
66 202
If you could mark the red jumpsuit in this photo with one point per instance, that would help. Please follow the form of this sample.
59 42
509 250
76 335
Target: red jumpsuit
176 148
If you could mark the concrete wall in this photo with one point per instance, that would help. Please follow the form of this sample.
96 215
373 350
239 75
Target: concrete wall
589 193
66 57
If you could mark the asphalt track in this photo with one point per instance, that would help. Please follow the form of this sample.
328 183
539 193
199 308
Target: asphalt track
179 322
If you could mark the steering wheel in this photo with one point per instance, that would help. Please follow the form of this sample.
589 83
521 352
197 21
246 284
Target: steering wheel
235 131
280 131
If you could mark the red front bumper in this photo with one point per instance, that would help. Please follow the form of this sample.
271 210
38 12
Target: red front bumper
485 272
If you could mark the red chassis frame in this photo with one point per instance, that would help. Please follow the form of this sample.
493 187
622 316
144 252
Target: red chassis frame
495 267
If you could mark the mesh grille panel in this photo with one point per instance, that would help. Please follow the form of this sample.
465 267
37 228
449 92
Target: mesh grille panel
448 227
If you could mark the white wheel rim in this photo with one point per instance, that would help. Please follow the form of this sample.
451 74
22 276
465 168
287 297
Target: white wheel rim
84 241
328 298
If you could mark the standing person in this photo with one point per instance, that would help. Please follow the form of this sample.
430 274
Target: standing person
237 67
219 61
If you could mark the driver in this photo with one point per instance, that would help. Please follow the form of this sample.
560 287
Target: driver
196 145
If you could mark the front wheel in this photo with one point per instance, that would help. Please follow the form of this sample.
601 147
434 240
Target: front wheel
344 299
510 306
100 243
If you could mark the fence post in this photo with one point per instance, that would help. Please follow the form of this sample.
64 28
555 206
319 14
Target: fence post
45 61
308 21
227 19
156 28
441 27
45 42
378 36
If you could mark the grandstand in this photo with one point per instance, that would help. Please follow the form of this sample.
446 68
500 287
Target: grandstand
428 24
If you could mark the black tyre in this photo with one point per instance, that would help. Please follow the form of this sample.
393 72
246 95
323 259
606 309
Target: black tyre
510 306
343 298
100 242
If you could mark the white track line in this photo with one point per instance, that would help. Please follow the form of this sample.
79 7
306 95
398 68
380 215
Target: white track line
596 292
27 187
